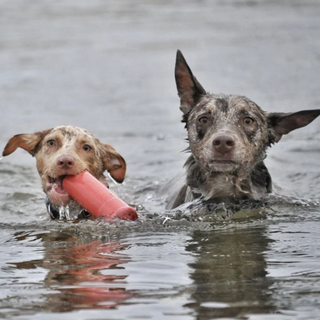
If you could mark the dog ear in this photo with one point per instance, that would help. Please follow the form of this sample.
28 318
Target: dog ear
189 89
283 123
26 141
113 163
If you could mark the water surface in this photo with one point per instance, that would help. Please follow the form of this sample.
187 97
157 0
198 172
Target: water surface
108 67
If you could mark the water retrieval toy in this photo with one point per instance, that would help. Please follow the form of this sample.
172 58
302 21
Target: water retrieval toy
96 198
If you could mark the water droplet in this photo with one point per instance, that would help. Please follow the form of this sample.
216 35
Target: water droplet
117 185
67 213
61 212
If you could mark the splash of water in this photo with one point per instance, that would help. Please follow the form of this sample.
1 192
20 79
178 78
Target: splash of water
117 185
1 158
64 213
61 213
67 213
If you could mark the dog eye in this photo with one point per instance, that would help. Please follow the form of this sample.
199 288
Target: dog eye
51 143
248 121
86 147
203 120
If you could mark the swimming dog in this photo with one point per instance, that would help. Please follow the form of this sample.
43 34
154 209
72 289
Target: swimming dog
67 150
228 137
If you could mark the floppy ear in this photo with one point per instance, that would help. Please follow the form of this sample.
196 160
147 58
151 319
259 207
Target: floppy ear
113 163
283 123
189 89
26 141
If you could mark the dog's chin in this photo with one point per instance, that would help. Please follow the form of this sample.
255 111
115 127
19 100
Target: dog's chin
223 165
55 192
59 199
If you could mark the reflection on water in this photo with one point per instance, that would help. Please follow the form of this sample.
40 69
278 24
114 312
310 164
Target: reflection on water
64 271
79 275
233 270
75 278
230 273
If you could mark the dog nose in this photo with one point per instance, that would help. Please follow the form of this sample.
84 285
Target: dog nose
65 161
223 143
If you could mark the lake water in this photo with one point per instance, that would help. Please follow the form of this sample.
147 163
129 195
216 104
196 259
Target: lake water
108 66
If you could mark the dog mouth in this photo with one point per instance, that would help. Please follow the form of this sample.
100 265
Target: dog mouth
55 191
57 183
223 161
223 165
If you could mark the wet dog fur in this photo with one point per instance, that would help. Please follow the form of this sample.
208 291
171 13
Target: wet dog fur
67 150
228 137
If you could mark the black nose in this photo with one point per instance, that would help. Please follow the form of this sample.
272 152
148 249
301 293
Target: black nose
65 161
223 143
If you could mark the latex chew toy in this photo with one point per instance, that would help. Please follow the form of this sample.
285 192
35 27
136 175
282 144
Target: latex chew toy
96 198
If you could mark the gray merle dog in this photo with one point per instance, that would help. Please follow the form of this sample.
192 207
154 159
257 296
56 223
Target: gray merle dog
228 136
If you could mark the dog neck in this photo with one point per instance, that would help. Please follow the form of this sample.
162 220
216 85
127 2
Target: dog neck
255 184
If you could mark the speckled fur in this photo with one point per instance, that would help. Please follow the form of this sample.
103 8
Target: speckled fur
85 150
239 173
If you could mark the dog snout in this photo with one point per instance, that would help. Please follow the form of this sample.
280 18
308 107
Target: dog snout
66 162
223 143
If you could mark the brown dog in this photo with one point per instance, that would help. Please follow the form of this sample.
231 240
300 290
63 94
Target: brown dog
67 150
228 137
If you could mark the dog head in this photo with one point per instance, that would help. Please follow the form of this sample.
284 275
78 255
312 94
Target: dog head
67 150
228 133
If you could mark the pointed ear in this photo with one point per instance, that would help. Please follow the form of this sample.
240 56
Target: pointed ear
283 123
189 89
26 141
113 163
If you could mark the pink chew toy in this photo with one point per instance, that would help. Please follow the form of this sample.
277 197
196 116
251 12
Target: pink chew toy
96 198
